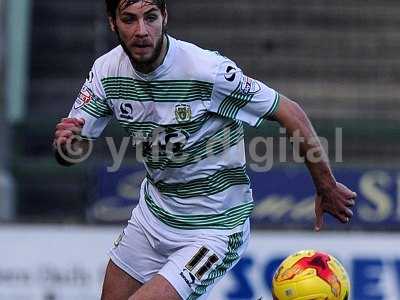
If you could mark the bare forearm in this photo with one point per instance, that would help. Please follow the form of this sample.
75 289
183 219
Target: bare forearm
333 197
307 143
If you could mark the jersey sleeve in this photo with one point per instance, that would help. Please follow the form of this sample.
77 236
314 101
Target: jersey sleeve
91 105
240 97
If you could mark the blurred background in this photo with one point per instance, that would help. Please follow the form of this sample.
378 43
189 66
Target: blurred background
340 60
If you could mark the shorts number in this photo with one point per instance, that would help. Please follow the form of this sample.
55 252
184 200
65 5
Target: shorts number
197 258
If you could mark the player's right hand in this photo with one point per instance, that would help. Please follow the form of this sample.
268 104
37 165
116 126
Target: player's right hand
66 130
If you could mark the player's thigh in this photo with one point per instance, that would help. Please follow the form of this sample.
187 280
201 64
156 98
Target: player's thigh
133 259
157 288
118 285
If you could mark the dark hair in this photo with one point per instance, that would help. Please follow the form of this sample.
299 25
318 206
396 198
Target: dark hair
112 5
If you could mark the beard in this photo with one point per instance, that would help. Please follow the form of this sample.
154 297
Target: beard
140 63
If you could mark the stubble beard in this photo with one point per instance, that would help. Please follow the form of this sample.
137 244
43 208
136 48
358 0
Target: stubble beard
143 64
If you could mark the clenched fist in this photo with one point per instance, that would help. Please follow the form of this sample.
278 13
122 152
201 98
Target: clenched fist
70 148
66 129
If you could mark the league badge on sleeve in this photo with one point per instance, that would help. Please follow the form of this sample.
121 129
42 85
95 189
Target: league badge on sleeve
85 96
183 113
249 86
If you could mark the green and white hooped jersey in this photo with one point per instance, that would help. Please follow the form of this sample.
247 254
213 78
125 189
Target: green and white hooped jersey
186 119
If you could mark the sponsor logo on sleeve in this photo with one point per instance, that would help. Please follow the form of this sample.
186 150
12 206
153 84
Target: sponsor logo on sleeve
85 97
230 74
90 77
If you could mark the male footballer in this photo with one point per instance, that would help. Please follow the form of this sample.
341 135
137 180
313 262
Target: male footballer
184 108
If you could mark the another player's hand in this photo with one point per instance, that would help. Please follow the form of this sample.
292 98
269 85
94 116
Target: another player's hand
67 129
337 201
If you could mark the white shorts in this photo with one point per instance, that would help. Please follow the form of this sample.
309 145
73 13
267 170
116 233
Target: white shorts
193 261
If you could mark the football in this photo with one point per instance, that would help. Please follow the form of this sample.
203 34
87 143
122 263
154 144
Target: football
310 275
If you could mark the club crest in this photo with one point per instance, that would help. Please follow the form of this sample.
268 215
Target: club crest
183 113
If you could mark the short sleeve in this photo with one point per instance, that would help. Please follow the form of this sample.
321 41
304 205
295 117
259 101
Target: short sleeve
91 105
240 97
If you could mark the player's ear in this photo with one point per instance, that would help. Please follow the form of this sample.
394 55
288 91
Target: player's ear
165 18
111 21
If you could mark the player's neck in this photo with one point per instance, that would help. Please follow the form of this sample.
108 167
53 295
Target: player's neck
148 68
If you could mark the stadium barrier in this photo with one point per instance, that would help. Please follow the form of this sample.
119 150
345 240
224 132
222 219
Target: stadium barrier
68 263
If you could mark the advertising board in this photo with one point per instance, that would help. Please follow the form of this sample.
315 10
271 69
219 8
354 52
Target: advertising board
284 197
68 263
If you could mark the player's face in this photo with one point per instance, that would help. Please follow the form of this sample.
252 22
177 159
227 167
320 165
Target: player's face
140 27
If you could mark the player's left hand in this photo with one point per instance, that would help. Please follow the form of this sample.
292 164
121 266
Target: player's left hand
337 201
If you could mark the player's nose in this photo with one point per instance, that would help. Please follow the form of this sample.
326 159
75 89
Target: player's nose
141 29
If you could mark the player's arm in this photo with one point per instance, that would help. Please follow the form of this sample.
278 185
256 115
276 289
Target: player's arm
332 197
87 119
69 147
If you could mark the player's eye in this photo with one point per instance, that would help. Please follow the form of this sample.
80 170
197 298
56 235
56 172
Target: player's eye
127 19
151 17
